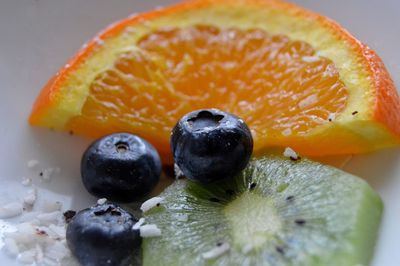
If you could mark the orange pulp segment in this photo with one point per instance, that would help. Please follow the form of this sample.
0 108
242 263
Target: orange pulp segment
296 78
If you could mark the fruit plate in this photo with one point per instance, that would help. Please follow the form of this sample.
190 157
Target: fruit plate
45 33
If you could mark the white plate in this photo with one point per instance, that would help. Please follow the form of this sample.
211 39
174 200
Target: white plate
38 36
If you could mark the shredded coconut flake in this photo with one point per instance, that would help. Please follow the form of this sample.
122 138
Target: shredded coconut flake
33 163
30 197
151 203
216 252
49 218
149 230
51 206
39 253
178 172
48 173
310 59
57 252
287 132
11 210
58 231
10 246
308 101
39 240
139 223
27 257
101 201
331 117
26 181
290 153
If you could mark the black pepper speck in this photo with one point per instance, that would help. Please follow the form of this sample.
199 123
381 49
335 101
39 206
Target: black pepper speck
300 222
290 198
280 250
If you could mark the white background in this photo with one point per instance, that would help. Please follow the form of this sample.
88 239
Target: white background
38 36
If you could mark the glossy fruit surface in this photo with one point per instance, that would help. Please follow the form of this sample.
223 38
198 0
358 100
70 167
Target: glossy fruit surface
298 79
120 167
211 145
103 235
276 212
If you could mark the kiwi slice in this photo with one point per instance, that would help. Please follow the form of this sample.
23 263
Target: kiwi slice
276 212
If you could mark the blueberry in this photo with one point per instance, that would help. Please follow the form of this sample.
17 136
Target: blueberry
120 167
103 235
211 145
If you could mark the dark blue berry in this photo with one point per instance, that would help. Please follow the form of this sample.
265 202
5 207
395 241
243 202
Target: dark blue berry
103 235
211 145
120 167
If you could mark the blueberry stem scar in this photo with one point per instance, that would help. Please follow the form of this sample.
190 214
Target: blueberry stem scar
122 147
205 119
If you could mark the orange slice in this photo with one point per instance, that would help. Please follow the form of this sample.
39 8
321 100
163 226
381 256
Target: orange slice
297 78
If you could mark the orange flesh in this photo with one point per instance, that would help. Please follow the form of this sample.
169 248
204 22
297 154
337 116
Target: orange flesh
277 85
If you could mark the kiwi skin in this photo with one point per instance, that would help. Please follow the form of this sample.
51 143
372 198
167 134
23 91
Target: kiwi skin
288 212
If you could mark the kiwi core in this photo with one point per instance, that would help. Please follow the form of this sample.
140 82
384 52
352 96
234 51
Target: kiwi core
253 219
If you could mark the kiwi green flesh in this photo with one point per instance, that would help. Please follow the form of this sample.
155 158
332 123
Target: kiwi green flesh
276 212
